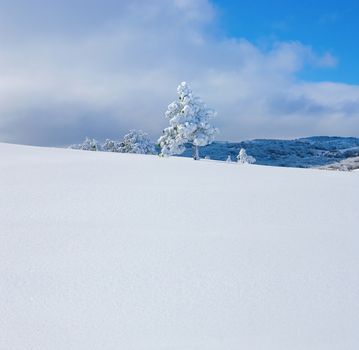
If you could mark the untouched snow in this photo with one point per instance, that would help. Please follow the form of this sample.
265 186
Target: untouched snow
112 251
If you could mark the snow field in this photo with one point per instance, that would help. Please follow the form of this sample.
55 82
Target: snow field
121 251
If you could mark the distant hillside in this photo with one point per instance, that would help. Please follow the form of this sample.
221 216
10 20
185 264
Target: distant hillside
301 153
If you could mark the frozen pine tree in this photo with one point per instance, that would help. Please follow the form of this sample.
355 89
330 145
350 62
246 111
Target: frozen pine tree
88 145
243 158
189 120
136 141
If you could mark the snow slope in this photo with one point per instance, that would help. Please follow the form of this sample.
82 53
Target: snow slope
113 251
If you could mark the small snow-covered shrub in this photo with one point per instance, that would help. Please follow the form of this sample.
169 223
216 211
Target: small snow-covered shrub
111 146
243 158
136 141
88 145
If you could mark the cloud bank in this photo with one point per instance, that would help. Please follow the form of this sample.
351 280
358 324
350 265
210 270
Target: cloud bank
100 68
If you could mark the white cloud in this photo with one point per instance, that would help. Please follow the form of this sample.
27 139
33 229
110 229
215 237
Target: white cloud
118 67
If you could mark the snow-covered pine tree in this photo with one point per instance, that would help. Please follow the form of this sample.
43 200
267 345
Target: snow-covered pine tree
189 120
243 158
136 141
88 145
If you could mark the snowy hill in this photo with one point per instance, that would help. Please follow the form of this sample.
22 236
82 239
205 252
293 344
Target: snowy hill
108 251
301 153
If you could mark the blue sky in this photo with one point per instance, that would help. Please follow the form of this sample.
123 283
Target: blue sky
98 68
330 25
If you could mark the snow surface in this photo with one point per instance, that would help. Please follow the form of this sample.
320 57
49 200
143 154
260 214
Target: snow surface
121 251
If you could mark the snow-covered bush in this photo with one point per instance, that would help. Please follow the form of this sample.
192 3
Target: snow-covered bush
243 158
189 120
88 145
136 141
229 159
111 146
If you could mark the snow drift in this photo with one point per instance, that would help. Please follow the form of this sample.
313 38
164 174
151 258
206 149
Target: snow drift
120 251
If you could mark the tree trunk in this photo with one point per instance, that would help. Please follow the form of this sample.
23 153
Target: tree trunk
195 152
